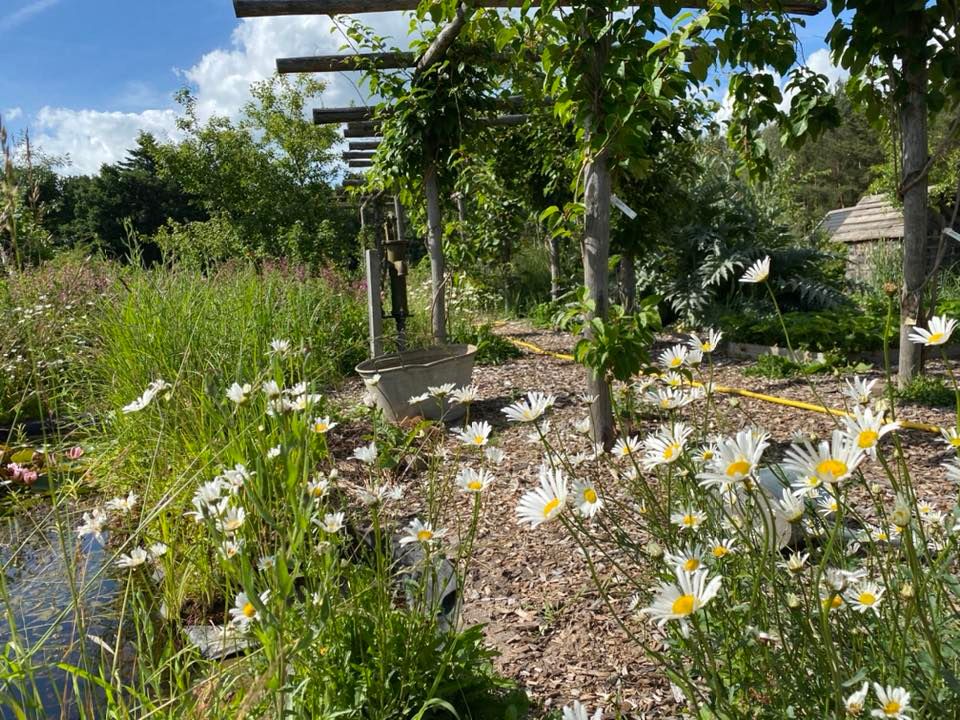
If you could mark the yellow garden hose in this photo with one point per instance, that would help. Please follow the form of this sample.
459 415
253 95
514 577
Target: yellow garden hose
799 404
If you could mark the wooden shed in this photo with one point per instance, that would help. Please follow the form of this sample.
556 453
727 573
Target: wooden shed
874 226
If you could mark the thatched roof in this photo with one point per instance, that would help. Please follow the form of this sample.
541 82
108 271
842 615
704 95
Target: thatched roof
873 218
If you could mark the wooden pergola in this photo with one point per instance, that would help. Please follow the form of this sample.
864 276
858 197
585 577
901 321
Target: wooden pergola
597 180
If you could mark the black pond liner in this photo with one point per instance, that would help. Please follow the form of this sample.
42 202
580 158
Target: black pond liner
39 580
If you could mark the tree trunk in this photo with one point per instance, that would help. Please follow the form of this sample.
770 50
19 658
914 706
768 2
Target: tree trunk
555 268
627 277
596 237
438 305
913 129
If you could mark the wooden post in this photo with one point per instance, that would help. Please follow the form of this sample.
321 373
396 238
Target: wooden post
438 305
596 240
913 129
374 310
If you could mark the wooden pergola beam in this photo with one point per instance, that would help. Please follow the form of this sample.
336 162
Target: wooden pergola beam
271 8
364 145
365 129
357 155
359 163
346 63
333 116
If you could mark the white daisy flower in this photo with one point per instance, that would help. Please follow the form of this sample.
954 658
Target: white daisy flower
473 481
866 428
421 532
531 409
441 391
721 547
158 550
93 524
494 454
274 452
688 519
674 357
232 520
318 487
830 463
366 454
665 447
266 562
136 558
547 501
710 343
624 447
894 702
941 328
475 434
239 394
694 357
854 703
323 424
238 475
687 560
122 504
279 346
758 272
796 563
417 399
151 391
790 507
679 601
578 712
466 395
736 459
672 380
951 437
587 398
586 498
333 522
271 389
372 381
858 390
582 425
865 596
244 612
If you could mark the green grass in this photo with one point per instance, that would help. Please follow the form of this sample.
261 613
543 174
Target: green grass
929 390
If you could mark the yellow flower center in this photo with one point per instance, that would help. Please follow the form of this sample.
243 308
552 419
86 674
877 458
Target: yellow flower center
738 468
424 535
689 520
683 605
550 507
891 707
691 564
836 602
934 338
867 598
249 610
321 427
867 438
475 485
670 450
708 455
665 403
706 347
720 551
832 467
955 441
479 439
590 495
676 362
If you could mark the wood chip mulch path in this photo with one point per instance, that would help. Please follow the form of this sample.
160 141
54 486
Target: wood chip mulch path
532 589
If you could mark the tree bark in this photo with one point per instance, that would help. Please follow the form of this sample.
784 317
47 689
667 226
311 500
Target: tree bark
554 268
438 305
596 242
913 129
627 273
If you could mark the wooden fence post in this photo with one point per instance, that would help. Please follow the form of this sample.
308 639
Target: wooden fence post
438 305
374 309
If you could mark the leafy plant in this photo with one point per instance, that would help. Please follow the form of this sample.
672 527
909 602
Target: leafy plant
492 349
929 390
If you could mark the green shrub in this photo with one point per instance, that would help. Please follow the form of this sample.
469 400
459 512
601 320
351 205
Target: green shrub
492 349
848 331
775 367
929 390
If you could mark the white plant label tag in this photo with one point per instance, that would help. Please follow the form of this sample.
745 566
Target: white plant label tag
952 234
623 207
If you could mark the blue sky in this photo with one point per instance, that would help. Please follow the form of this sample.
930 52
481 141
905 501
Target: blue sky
87 75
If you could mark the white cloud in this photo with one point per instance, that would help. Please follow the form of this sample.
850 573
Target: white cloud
91 138
12 114
21 15
221 81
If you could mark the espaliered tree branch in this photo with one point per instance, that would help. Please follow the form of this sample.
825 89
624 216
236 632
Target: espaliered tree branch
270 8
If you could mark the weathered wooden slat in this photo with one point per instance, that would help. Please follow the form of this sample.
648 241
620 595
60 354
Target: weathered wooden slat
365 145
354 182
269 8
357 156
365 129
505 120
331 116
359 163
345 63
